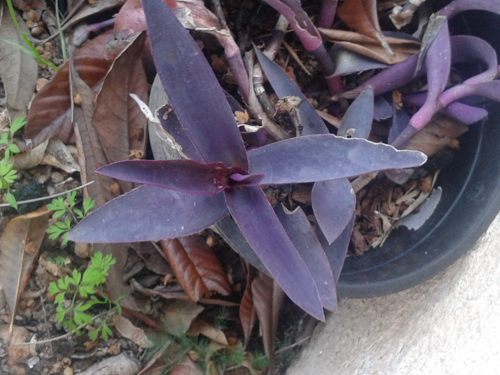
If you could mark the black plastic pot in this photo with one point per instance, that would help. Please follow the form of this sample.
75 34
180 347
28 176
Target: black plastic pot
470 201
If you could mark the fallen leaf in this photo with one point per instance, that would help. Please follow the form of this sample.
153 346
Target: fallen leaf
201 327
196 266
186 367
402 48
362 16
130 331
117 118
90 8
15 262
48 116
440 132
18 70
15 353
58 155
178 315
248 315
267 301
30 158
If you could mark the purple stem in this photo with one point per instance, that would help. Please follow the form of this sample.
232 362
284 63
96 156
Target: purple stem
458 6
327 14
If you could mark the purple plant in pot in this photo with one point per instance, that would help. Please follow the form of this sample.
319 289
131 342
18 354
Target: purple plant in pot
219 177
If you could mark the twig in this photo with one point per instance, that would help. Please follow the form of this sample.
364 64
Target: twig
62 336
47 197
220 13
293 345
296 58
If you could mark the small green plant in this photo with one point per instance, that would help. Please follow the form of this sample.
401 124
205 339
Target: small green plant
7 173
76 294
66 207
31 51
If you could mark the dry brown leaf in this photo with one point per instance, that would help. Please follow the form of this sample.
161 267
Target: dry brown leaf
186 367
18 70
178 315
267 300
440 132
16 263
248 314
196 266
30 158
364 45
202 327
15 353
361 15
58 155
130 331
90 8
49 110
117 118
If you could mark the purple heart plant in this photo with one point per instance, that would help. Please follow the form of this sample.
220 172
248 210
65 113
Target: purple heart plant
220 177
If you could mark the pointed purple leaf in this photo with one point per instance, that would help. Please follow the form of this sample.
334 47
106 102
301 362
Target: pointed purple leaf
347 61
381 109
326 157
337 251
150 213
458 6
260 226
301 233
184 175
438 64
284 86
192 88
172 126
400 121
333 203
358 119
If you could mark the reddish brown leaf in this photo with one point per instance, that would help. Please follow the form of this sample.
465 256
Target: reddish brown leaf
247 313
362 16
196 266
267 300
19 248
113 107
92 62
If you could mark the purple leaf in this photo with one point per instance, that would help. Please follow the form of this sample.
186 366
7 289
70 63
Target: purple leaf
347 61
333 204
184 175
458 6
395 76
193 89
299 21
326 157
400 121
438 64
172 126
381 109
462 112
336 252
357 121
490 90
150 213
467 48
301 233
260 226
284 86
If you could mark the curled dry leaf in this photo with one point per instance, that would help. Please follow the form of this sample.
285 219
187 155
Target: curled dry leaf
130 331
201 327
440 132
248 315
58 155
196 266
17 69
362 16
46 117
20 244
30 158
178 315
402 48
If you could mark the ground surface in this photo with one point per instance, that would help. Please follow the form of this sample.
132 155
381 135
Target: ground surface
448 325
